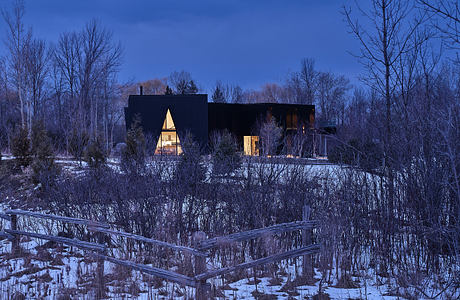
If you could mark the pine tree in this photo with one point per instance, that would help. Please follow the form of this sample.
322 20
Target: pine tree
218 95
20 146
168 91
225 155
133 156
43 166
191 88
95 155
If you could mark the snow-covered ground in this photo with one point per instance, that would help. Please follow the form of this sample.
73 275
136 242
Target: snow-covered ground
44 271
47 271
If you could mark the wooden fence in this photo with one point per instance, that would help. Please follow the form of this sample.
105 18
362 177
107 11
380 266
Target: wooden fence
200 248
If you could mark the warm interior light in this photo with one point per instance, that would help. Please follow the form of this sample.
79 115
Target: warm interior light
168 142
251 145
291 120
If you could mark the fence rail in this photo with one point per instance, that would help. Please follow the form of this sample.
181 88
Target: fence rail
59 239
261 261
255 233
78 221
165 274
5 217
198 250
151 241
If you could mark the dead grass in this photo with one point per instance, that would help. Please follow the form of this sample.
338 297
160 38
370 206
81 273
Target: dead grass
346 282
262 296
322 296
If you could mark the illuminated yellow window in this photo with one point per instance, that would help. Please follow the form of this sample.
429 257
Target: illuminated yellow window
168 142
251 145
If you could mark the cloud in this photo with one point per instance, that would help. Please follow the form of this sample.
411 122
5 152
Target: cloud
240 41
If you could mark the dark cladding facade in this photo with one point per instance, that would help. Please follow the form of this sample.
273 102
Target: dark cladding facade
193 114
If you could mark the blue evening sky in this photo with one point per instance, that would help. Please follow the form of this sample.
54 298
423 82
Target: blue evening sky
238 42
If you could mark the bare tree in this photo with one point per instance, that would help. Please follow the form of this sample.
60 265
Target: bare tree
271 92
100 61
67 56
37 71
270 134
381 49
449 12
18 38
156 86
308 76
182 83
331 92
88 62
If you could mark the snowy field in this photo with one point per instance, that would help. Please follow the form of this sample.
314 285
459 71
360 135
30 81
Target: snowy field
44 270
47 271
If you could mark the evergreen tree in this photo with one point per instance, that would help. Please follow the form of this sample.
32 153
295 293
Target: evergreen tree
43 166
168 91
225 157
218 95
191 88
133 156
20 146
95 155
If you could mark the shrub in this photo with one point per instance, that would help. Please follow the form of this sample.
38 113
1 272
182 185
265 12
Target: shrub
44 169
190 169
270 135
77 143
133 155
225 155
366 155
20 146
95 155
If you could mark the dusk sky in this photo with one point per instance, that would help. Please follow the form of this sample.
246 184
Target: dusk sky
238 42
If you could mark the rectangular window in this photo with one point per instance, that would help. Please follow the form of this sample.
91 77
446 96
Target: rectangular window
251 145
291 120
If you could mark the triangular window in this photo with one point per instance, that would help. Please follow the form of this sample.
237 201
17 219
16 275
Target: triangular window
168 124
168 141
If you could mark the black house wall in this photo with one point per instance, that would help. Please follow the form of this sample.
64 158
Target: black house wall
244 119
189 114
192 113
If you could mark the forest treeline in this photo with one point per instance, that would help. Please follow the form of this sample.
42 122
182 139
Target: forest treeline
396 210
71 84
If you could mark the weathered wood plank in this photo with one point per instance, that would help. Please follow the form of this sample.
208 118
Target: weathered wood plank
6 235
151 241
59 239
15 240
202 291
252 234
307 265
56 218
165 274
5 217
273 258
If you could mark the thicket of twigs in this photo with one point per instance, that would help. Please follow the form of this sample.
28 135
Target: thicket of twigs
413 243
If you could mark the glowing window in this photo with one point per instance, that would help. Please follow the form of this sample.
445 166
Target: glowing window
251 145
291 120
168 142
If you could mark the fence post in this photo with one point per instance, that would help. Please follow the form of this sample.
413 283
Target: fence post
307 266
100 290
15 241
202 288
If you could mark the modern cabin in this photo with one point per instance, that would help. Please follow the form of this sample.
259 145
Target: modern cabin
170 117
